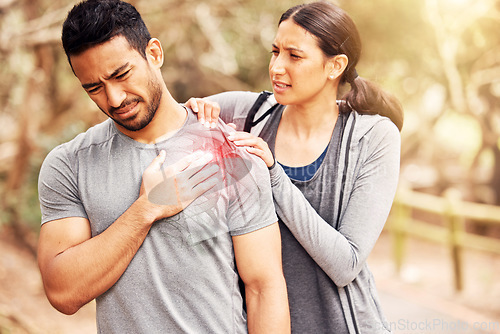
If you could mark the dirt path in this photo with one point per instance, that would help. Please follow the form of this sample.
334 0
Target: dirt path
23 305
424 286
423 294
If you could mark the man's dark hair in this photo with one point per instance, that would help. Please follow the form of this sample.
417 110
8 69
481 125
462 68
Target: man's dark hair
93 22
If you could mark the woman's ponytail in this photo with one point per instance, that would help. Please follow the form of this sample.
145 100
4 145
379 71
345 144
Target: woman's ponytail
367 98
337 34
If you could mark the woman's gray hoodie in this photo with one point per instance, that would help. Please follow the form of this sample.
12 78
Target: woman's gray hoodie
335 219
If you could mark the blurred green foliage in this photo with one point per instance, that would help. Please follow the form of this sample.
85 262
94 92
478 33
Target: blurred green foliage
440 57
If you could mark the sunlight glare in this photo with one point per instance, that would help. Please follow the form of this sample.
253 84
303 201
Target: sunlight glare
456 3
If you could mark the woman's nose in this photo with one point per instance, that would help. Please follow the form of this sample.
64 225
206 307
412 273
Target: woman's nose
277 66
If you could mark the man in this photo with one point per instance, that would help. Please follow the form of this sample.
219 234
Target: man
156 246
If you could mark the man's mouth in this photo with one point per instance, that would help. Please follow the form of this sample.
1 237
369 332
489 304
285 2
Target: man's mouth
126 110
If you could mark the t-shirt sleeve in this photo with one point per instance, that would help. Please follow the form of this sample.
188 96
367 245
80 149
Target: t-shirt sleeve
251 203
58 187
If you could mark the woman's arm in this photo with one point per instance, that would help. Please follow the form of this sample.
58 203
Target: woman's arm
342 253
231 107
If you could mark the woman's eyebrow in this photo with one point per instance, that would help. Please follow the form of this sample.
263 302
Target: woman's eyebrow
289 48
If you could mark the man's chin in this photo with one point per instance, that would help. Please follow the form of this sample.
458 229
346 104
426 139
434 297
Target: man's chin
131 125
135 122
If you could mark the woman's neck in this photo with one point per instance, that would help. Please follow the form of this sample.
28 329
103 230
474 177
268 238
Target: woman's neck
304 133
307 121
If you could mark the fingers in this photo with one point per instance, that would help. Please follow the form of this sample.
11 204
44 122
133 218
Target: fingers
211 111
232 125
255 151
208 111
237 135
197 171
204 186
214 114
204 180
187 166
197 179
265 155
193 105
254 145
187 161
198 161
240 138
157 162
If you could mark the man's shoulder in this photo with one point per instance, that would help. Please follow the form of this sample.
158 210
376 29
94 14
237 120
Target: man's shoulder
237 161
95 135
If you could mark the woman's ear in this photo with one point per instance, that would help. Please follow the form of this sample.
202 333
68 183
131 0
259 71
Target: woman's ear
154 52
337 66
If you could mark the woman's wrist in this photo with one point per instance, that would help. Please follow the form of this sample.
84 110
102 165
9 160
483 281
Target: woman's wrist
273 165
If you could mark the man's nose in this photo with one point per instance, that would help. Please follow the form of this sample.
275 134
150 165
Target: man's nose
115 94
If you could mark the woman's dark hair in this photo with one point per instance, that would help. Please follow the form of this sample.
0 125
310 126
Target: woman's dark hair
337 34
93 22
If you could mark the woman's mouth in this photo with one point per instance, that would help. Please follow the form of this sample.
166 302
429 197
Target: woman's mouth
280 86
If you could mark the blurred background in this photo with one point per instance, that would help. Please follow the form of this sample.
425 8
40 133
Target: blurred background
438 260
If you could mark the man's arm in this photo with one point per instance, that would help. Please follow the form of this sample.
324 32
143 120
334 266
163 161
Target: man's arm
77 267
258 257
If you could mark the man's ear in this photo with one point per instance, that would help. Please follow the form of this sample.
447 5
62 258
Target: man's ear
336 66
154 52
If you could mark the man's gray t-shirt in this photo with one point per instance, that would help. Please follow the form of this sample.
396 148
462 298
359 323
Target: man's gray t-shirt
183 278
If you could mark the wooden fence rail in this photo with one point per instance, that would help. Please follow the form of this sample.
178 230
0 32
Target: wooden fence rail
450 232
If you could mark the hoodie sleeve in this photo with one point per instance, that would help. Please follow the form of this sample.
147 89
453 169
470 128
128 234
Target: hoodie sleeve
234 106
374 176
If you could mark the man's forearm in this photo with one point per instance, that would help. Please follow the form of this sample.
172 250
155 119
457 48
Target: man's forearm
267 308
80 273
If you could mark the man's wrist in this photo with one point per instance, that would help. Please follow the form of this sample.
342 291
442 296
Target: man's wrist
150 211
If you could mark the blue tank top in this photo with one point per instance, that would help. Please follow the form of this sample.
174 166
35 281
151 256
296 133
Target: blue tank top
304 173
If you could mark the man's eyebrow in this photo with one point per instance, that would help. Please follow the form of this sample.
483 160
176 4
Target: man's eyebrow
117 71
90 85
111 76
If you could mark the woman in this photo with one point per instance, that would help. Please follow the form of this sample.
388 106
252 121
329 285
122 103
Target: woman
336 169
